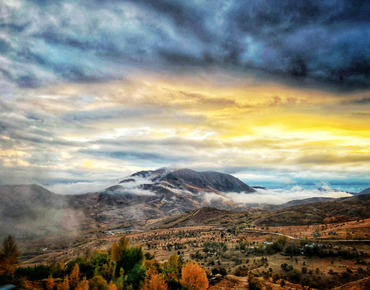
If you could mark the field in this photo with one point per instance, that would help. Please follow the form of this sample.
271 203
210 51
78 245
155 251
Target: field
334 260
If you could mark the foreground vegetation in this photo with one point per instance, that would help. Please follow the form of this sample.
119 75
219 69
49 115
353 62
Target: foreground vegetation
121 268
204 249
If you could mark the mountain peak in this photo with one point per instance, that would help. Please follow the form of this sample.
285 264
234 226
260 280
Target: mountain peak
185 178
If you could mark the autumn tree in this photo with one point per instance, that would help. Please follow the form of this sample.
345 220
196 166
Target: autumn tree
112 286
115 252
50 283
282 240
98 283
123 244
8 257
83 284
74 278
194 277
154 282
65 284
174 265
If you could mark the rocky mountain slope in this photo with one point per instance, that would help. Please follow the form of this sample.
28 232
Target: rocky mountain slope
155 194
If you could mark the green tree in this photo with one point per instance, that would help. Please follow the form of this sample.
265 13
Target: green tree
174 265
132 260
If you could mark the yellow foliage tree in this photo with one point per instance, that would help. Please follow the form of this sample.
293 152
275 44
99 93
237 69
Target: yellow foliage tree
154 282
98 283
174 265
74 278
123 244
115 253
50 284
194 277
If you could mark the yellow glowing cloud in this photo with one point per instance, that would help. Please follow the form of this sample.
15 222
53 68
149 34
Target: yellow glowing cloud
236 121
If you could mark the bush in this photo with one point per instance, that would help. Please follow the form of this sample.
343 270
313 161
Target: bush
286 267
294 276
276 276
241 271
255 284
221 271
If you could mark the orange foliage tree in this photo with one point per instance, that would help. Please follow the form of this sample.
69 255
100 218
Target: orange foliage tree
194 277
65 284
50 284
83 285
154 281
74 278
112 286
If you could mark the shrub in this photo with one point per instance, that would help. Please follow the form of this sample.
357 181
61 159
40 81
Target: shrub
241 271
255 284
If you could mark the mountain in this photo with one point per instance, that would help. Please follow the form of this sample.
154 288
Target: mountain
191 180
365 191
296 202
324 189
19 201
31 211
156 194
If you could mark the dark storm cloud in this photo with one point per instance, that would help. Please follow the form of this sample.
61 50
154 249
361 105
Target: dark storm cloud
316 43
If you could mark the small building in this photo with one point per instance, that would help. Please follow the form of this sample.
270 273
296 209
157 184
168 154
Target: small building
332 233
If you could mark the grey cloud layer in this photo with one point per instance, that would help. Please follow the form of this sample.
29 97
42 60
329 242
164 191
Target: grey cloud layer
301 42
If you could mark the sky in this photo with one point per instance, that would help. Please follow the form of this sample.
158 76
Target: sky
273 92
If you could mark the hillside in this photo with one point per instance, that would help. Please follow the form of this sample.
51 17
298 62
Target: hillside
296 202
343 209
29 211
206 216
365 191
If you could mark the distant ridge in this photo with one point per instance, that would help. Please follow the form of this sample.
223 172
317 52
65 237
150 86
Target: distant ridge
365 191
